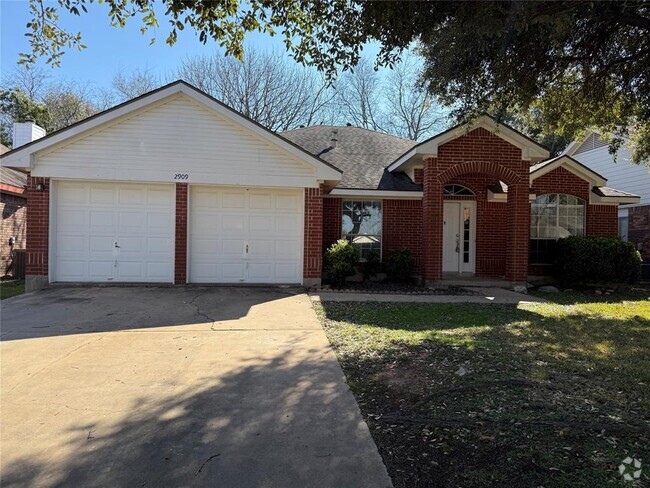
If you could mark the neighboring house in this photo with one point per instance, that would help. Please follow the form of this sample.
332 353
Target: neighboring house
633 219
176 187
13 202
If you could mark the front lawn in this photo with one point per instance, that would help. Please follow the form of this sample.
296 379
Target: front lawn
465 395
10 287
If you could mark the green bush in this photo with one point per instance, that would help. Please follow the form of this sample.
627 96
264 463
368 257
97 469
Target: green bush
400 265
586 259
372 266
341 261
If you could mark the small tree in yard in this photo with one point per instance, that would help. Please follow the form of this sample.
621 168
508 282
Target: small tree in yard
341 261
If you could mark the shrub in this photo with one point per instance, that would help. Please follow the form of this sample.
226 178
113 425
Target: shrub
372 266
585 259
341 261
400 265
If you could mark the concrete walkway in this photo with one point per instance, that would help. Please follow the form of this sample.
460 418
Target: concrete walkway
147 387
484 295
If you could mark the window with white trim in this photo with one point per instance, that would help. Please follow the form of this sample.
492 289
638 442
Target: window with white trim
557 215
552 217
361 224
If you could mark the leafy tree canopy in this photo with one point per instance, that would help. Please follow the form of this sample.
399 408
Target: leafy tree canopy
15 105
567 66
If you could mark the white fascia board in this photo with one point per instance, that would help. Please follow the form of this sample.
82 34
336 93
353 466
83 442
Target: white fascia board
323 171
344 192
529 149
403 160
599 200
503 197
571 166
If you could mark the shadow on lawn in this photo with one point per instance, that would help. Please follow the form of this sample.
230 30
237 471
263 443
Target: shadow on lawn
270 423
529 375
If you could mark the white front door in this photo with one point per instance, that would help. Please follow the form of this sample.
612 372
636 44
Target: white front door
458 237
113 232
245 235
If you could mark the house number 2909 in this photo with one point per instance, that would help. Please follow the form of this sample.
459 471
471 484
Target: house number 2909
181 176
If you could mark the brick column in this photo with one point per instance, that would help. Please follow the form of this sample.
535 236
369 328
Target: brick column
518 232
432 215
180 254
38 233
313 254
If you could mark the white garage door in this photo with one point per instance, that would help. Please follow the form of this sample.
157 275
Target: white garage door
113 232
240 235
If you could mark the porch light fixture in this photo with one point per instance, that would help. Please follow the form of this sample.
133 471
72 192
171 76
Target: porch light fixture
40 187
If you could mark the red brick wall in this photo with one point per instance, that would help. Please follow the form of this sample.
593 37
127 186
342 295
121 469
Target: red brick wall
418 175
639 229
331 222
38 227
402 227
602 220
313 259
476 160
561 180
14 214
180 255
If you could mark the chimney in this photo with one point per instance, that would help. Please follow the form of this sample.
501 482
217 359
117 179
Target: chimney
26 132
334 140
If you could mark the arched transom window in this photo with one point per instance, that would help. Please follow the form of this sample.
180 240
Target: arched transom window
457 190
556 215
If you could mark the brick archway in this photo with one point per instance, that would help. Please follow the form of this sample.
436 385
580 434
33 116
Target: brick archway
493 169
517 228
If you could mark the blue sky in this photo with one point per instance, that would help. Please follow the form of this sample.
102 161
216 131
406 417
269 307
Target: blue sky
109 49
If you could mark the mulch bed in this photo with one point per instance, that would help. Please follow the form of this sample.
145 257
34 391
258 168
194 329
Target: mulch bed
399 289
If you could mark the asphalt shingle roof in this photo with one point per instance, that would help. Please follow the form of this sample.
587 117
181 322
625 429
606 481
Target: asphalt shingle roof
361 154
605 191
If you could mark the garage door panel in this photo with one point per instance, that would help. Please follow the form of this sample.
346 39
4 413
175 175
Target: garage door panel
73 195
224 220
102 195
261 223
102 220
234 223
286 202
91 217
234 200
233 247
101 270
233 272
261 201
288 224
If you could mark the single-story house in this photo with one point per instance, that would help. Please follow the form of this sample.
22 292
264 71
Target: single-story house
633 218
176 187
13 203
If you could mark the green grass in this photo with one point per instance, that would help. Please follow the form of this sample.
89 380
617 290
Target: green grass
555 395
11 287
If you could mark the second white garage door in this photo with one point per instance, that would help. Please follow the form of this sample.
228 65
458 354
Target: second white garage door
240 235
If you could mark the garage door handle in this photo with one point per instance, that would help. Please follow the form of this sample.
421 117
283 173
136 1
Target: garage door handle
246 248
117 245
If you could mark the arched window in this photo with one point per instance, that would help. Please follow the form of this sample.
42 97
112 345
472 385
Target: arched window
457 190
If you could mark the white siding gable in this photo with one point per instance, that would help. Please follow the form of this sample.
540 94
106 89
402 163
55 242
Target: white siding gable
177 139
622 174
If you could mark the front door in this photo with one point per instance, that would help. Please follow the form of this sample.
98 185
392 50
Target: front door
458 241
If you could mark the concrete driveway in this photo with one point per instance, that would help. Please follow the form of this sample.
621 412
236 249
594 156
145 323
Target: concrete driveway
147 387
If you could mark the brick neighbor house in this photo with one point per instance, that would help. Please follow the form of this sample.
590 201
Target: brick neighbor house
633 218
13 203
176 187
